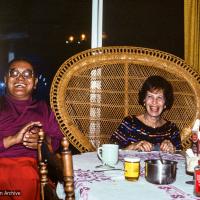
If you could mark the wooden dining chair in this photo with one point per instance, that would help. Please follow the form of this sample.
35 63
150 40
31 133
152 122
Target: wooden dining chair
63 168
95 89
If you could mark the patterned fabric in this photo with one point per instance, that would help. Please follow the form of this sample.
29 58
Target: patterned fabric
133 130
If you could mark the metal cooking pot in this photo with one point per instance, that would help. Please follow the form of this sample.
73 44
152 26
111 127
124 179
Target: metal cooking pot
158 172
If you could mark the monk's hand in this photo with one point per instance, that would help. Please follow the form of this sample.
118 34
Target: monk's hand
18 137
30 139
140 146
167 146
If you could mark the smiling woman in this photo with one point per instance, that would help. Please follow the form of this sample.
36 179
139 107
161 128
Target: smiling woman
22 118
149 131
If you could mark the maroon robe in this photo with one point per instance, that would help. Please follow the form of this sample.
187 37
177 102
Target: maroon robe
18 165
17 113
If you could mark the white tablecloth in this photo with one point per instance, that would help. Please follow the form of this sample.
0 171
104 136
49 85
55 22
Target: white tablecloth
111 185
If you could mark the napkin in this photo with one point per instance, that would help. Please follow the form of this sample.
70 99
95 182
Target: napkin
196 125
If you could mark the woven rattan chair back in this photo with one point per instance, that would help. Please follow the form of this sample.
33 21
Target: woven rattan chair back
94 90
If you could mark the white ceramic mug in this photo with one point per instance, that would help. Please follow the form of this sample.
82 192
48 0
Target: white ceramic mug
108 154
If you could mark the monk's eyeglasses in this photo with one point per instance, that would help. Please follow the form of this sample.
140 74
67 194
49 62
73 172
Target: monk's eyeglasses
26 74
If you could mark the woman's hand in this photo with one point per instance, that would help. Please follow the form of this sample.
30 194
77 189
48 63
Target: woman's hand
140 146
18 137
167 146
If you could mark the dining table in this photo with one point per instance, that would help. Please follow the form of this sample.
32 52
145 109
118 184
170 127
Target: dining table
93 181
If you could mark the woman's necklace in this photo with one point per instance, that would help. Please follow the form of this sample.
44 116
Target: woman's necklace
152 123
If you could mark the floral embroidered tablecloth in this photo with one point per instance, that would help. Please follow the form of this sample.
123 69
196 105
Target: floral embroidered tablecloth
91 184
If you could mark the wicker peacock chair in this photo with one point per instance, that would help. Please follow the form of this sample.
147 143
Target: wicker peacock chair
93 91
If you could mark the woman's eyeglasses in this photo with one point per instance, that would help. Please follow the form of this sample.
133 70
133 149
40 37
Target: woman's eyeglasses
26 74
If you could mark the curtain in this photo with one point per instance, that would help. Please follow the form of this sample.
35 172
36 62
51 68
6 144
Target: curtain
192 33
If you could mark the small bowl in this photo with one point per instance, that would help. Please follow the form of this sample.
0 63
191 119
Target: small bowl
160 173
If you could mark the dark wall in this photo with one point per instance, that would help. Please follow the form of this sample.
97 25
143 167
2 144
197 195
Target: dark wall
148 23
38 29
